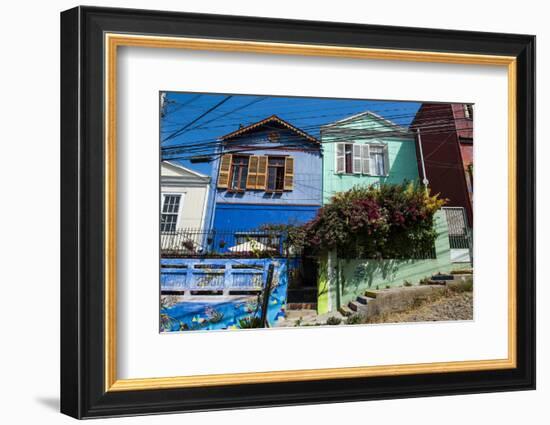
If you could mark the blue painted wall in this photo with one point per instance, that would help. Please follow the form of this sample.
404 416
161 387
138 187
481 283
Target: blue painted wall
184 274
252 208
246 217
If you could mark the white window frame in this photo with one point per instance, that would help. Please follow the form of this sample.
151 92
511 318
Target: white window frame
177 214
362 163
385 153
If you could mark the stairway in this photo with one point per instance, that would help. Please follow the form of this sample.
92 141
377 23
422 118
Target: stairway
359 305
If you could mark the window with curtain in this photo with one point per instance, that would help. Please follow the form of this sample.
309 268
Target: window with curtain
377 160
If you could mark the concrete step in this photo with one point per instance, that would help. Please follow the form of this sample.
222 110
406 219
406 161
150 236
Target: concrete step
345 311
435 282
364 299
442 277
371 294
357 307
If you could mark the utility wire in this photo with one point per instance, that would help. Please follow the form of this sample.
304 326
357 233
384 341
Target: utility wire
178 132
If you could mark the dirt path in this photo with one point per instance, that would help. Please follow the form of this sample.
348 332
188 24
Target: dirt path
457 306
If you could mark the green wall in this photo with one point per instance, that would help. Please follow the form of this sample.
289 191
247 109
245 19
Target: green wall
401 152
341 280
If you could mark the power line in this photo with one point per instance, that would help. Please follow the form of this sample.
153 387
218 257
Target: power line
209 152
178 132
290 115
422 124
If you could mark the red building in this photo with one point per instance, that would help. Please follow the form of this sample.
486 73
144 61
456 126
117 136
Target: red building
444 148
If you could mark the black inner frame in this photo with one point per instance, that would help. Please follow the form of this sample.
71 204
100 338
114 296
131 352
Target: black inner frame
82 207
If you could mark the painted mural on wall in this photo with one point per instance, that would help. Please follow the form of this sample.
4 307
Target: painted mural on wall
186 303
285 211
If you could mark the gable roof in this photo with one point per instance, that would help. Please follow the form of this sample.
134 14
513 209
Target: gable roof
264 122
355 117
184 171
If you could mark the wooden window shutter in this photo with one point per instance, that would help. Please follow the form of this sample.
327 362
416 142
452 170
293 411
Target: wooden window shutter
251 180
386 161
340 157
261 176
365 159
225 168
356 158
289 173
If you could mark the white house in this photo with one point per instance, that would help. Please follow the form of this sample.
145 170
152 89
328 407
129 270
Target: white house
184 198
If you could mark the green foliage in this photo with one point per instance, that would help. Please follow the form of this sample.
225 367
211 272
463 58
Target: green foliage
333 320
356 319
407 283
250 322
389 221
294 237
467 285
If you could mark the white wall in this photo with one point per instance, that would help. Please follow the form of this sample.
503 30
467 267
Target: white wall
194 196
191 214
29 359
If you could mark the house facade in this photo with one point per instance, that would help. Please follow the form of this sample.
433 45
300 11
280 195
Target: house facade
269 172
444 142
185 203
366 149
447 150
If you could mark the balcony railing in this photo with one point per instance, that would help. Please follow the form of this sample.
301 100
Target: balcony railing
214 243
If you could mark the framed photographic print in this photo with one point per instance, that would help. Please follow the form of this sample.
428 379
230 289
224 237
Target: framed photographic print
261 212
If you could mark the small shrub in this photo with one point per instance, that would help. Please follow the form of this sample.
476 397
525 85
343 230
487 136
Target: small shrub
333 320
466 286
388 286
355 319
250 322
188 244
407 283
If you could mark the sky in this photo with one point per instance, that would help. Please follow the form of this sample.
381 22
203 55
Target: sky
194 121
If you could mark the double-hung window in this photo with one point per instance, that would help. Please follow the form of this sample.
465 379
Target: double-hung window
169 212
362 158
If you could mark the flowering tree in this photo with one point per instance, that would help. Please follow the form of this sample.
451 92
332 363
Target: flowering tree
389 221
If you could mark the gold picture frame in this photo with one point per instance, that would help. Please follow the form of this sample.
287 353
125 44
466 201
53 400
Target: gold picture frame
114 41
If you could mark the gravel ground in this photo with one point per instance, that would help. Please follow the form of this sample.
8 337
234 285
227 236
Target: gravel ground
456 306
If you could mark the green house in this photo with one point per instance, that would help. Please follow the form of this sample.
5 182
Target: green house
366 149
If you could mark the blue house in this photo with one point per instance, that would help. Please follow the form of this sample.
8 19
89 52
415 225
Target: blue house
269 172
